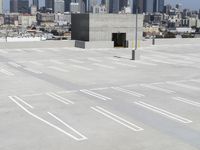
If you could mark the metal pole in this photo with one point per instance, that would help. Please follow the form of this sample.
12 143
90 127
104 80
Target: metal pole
136 28
136 34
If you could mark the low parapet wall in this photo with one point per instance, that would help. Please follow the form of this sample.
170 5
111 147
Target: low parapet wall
94 44
39 44
171 42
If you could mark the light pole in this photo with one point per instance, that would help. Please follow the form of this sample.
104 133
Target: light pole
136 33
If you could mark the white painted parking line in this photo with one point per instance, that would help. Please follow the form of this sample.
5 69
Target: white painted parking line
128 92
3 51
193 59
36 63
6 72
124 64
81 67
195 80
58 69
18 50
145 63
37 50
82 137
57 62
15 98
104 66
153 87
102 97
94 59
66 92
159 56
163 112
184 100
76 61
117 119
54 49
14 64
31 95
158 61
184 86
33 70
45 121
180 61
111 58
101 88
59 98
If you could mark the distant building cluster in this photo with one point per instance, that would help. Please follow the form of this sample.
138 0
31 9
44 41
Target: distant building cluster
159 18
82 6
174 20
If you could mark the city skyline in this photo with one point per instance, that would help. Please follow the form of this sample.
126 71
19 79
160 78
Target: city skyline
192 4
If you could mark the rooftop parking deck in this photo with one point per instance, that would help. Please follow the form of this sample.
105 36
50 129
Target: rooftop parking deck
58 97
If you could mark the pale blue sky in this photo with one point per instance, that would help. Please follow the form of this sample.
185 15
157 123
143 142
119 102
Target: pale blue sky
191 4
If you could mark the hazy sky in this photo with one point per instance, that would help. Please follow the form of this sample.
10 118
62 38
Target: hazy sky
191 4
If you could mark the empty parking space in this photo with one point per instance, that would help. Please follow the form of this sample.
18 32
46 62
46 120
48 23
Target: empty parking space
100 99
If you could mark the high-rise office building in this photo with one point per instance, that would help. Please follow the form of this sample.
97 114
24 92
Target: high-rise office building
138 4
167 9
74 7
67 5
13 6
1 6
49 4
106 3
91 3
23 6
122 4
87 4
161 4
114 6
59 6
154 6
158 5
20 6
36 3
81 5
149 6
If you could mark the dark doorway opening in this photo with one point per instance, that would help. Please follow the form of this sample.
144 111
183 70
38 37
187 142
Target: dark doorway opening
119 39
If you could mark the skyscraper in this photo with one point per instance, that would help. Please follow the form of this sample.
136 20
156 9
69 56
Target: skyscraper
91 3
23 6
59 6
122 4
49 4
138 4
154 6
80 4
67 5
114 6
106 3
36 3
149 6
20 6
161 4
1 6
13 6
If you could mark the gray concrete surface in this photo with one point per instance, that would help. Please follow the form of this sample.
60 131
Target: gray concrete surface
58 98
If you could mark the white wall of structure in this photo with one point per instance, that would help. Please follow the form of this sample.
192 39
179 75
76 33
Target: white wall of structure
27 20
1 6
